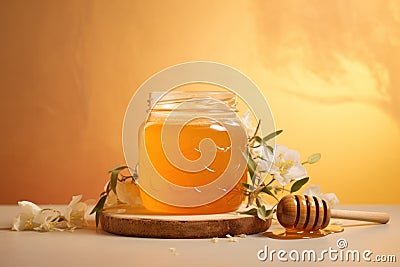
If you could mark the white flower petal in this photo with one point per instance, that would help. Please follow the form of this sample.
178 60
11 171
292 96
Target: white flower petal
263 165
313 190
18 225
296 172
45 216
281 179
247 122
331 198
32 217
43 221
75 199
280 149
111 200
257 151
293 155
128 193
24 219
29 207
274 170
287 166
263 159
283 153
75 214
72 206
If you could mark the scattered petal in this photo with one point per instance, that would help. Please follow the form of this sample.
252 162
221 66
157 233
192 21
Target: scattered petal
173 251
232 239
24 220
214 240
76 211
312 190
44 220
32 217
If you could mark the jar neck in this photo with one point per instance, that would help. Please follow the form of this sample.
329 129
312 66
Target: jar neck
186 104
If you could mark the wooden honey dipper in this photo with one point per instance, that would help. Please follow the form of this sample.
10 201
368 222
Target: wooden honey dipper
310 213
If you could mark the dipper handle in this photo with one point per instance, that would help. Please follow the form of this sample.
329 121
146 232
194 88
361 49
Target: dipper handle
368 216
309 213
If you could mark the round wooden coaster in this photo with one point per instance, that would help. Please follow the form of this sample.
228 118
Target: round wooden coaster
193 226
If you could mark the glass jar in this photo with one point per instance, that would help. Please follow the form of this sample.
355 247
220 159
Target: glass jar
191 153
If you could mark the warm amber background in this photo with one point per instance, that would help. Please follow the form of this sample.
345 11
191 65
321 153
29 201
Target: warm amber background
330 70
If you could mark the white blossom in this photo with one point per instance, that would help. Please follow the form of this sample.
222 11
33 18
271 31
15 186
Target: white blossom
76 210
287 166
262 157
44 221
24 220
32 217
127 192
248 123
315 190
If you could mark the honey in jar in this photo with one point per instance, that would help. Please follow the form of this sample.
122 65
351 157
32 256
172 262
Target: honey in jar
191 151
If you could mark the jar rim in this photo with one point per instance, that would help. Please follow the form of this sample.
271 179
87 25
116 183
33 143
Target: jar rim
182 95
162 101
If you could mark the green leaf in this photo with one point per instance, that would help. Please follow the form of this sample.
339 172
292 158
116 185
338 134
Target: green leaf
108 189
252 211
298 184
267 190
272 135
314 158
259 202
260 212
98 214
251 165
268 214
257 128
257 142
270 148
118 169
114 180
99 208
99 204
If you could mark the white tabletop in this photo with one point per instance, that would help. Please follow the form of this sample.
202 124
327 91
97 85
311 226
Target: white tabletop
86 247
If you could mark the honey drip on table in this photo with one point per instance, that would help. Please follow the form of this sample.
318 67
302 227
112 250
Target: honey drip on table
296 234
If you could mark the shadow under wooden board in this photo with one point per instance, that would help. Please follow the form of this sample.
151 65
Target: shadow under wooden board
191 226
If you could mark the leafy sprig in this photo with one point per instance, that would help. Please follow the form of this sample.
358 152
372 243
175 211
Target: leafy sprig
257 188
115 177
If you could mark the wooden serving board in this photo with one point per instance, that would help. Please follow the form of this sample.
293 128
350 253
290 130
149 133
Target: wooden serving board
192 226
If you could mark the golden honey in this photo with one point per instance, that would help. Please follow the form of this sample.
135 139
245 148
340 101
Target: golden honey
227 134
295 234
